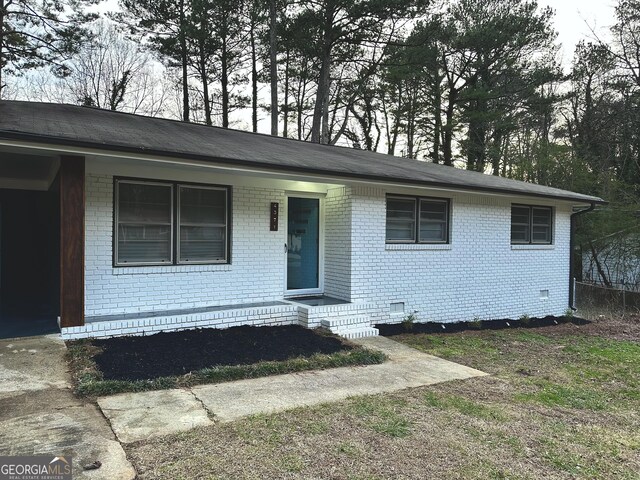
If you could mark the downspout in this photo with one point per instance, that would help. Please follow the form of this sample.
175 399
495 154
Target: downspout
572 242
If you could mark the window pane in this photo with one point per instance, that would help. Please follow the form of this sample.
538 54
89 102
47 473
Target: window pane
541 234
520 233
203 224
401 219
144 203
144 243
520 215
542 225
520 224
433 232
542 216
202 244
202 205
433 221
144 223
433 210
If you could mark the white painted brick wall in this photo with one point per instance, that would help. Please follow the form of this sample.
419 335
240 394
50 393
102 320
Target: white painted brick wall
337 271
478 276
255 275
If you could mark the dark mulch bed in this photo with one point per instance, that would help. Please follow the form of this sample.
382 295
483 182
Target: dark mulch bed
432 327
178 353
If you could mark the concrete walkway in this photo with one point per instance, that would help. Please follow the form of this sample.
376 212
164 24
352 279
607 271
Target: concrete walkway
137 416
40 416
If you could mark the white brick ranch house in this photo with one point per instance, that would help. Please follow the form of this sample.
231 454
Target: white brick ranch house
155 225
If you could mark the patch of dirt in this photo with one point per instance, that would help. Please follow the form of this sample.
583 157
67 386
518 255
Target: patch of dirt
178 353
617 327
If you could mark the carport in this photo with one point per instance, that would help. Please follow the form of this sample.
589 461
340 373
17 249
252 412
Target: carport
30 239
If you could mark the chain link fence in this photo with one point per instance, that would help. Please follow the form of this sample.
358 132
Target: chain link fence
598 298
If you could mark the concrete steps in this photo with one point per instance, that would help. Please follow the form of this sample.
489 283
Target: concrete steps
351 327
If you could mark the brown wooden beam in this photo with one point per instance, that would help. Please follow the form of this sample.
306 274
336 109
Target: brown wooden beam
72 204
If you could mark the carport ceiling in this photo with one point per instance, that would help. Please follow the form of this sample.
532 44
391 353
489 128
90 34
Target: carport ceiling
25 167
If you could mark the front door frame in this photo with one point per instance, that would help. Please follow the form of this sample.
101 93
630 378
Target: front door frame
321 229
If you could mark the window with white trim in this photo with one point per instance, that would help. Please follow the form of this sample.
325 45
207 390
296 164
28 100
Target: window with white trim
164 223
417 220
531 225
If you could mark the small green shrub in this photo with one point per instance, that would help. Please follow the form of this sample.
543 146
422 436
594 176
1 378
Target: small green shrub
409 321
476 324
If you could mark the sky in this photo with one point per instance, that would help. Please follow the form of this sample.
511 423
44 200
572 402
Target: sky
575 19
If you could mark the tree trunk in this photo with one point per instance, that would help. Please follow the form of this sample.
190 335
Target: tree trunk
437 112
411 124
448 127
396 124
601 272
254 79
299 105
205 82
2 15
324 133
506 163
321 108
368 137
322 93
273 59
184 59
496 152
224 81
476 154
285 105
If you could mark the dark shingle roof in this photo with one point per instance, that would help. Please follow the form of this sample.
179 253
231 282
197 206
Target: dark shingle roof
106 130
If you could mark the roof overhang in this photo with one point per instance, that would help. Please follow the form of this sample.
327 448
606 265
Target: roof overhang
53 145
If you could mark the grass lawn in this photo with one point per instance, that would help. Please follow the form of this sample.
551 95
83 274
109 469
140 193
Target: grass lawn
561 403
194 357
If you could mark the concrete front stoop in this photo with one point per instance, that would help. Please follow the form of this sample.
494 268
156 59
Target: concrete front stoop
351 327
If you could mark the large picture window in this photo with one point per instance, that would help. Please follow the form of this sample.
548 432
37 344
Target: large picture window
417 220
531 225
158 223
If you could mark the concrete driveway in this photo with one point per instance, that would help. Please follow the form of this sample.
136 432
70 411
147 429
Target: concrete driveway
40 416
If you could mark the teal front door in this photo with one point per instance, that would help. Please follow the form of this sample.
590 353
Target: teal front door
303 245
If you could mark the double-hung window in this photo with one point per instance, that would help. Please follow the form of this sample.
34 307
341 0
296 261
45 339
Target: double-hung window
202 221
417 220
531 225
164 223
144 223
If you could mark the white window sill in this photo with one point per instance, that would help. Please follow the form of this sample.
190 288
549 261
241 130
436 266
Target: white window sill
169 269
533 247
417 246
